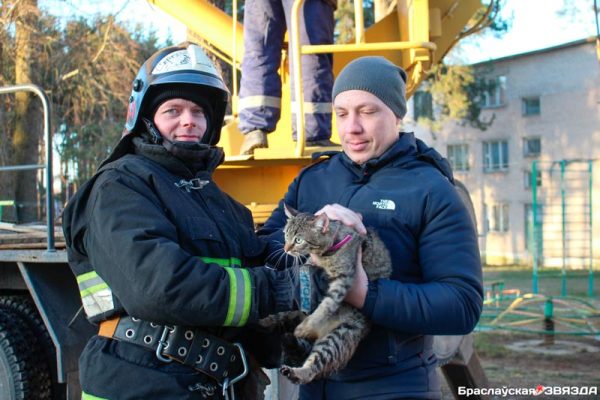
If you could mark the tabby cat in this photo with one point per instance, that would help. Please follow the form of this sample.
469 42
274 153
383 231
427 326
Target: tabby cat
335 327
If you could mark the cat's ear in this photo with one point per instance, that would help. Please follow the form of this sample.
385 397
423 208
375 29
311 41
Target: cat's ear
289 211
322 222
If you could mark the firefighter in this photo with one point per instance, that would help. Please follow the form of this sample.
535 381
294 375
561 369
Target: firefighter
167 264
265 23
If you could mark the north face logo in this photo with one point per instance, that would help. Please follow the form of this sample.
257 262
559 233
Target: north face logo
385 204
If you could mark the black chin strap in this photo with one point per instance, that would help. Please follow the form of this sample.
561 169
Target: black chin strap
155 136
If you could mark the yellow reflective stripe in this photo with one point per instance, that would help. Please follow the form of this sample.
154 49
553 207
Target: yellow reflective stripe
86 396
259 101
239 297
96 295
232 297
223 262
86 276
94 289
247 296
90 283
313 108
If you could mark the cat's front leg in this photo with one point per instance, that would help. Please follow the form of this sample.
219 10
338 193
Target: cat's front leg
320 322
282 322
307 329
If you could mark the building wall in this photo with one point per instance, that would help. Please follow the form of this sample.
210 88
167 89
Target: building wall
567 81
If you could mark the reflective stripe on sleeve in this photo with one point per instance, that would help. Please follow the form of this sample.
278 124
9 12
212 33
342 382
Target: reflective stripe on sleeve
239 297
223 262
86 396
313 108
260 101
96 296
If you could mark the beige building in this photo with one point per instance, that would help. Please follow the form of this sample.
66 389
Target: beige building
546 106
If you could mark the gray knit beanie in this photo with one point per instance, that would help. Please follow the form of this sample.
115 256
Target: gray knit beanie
377 76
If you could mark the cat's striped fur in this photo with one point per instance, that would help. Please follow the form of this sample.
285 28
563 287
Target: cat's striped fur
335 327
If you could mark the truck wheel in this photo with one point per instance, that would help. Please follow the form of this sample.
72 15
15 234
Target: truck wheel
24 367
17 361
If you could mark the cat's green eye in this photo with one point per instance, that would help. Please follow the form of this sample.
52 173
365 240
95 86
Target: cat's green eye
298 240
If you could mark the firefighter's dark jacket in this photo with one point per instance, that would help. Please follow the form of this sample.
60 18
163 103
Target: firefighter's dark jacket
408 196
168 244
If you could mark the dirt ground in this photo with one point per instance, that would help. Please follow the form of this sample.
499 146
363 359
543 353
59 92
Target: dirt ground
517 360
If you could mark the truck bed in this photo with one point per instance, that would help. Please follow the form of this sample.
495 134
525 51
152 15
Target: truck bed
30 236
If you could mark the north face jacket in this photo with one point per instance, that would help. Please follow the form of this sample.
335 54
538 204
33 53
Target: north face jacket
407 195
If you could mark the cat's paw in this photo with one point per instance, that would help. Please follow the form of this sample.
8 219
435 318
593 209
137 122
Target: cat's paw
295 350
268 324
299 376
307 330
288 372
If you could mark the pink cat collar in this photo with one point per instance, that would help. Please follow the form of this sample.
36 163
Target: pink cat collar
340 244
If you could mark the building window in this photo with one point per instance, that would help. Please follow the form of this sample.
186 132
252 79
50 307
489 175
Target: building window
458 155
496 95
495 156
423 105
531 106
532 147
527 179
499 218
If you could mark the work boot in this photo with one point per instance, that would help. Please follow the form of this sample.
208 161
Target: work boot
321 143
255 139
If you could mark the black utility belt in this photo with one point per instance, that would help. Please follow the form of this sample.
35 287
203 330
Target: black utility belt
223 361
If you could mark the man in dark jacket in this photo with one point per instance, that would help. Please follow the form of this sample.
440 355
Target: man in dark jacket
405 190
168 264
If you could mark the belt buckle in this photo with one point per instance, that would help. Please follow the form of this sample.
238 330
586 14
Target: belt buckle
163 344
228 383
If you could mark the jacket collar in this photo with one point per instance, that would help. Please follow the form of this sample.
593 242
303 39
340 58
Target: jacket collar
208 158
407 149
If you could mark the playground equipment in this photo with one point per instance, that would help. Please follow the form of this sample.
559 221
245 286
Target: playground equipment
561 224
545 315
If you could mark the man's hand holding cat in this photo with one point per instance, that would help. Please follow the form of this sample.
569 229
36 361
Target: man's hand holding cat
358 292
345 216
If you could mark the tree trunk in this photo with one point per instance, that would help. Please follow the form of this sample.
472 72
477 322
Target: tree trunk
6 123
28 126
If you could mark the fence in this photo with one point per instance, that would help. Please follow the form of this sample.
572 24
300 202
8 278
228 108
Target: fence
561 223
48 166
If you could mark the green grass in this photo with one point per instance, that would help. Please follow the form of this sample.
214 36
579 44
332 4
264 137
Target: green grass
488 346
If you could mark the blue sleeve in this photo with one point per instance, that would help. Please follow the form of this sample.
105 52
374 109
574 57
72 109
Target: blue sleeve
449 299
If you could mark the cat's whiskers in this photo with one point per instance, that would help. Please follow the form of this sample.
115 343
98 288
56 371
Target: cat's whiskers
282 258
278 255
274 253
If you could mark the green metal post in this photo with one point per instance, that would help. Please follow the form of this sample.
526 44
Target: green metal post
564 225
534 211
549 322
590 221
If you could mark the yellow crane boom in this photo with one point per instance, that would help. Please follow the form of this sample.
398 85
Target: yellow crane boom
414 34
